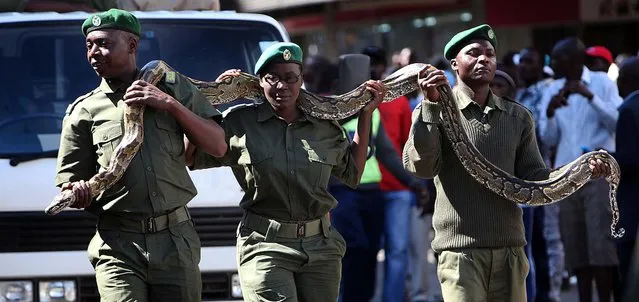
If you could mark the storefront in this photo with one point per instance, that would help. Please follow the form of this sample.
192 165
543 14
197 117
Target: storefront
541 23
332 28
611 23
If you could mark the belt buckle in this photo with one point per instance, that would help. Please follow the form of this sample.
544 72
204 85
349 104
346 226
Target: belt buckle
149 225
301 230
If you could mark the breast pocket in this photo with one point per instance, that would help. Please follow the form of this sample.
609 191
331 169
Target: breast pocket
321 165
106 138
257 167
171 136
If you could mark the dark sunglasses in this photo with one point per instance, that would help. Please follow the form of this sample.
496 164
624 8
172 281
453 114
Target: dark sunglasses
273 79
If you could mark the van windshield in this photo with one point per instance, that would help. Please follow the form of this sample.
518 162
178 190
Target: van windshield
43 68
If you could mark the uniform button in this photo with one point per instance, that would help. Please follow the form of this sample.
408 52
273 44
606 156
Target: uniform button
154 194
105 137
292 171
290 148
148 168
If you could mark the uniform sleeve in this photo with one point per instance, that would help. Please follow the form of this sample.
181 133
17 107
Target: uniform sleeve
345 170
422 152
76 157
529 164
186 93
203 160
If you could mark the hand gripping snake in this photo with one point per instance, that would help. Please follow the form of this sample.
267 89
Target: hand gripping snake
564 181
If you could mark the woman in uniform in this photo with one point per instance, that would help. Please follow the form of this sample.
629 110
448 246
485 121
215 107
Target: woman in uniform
283 160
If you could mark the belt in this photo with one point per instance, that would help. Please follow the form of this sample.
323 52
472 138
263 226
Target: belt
292 230
150 225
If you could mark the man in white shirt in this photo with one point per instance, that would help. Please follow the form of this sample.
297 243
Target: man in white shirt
581 115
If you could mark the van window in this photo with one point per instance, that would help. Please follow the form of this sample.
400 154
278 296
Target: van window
43 68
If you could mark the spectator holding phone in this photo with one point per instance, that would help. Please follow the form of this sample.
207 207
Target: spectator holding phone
581 114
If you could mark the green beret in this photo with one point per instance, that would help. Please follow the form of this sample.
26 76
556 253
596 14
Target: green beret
481 32
282 52
113 18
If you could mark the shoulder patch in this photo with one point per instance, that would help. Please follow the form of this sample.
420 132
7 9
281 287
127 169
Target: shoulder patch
237 107
80 99
169 77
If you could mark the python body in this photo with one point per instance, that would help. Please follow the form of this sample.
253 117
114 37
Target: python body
563 182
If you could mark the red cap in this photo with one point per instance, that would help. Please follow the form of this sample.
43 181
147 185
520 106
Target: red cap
601 52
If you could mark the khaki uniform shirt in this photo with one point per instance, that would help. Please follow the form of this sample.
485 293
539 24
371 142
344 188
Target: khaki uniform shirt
283 168
156 181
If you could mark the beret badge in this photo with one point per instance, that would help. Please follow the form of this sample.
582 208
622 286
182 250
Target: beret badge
286 54
96 21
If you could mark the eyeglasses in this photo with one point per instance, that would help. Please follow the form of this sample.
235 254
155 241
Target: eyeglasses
273 79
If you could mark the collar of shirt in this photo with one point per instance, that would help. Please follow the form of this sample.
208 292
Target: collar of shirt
265 112
586 76
464 100
110 88
558 84
631 95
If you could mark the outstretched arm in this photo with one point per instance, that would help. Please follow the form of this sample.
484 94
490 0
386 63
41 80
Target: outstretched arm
359 146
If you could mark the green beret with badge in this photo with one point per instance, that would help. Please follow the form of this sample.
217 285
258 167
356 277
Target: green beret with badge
112 19
281 52
481 32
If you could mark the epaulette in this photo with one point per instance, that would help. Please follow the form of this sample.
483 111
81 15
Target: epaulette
80 99
170 77
238 107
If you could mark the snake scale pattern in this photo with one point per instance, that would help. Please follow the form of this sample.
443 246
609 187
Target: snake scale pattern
562 183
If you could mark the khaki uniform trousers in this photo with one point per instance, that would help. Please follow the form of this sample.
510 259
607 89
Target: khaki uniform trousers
275 267
483 274
161 266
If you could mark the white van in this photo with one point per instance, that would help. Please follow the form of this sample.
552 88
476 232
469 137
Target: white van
43 68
